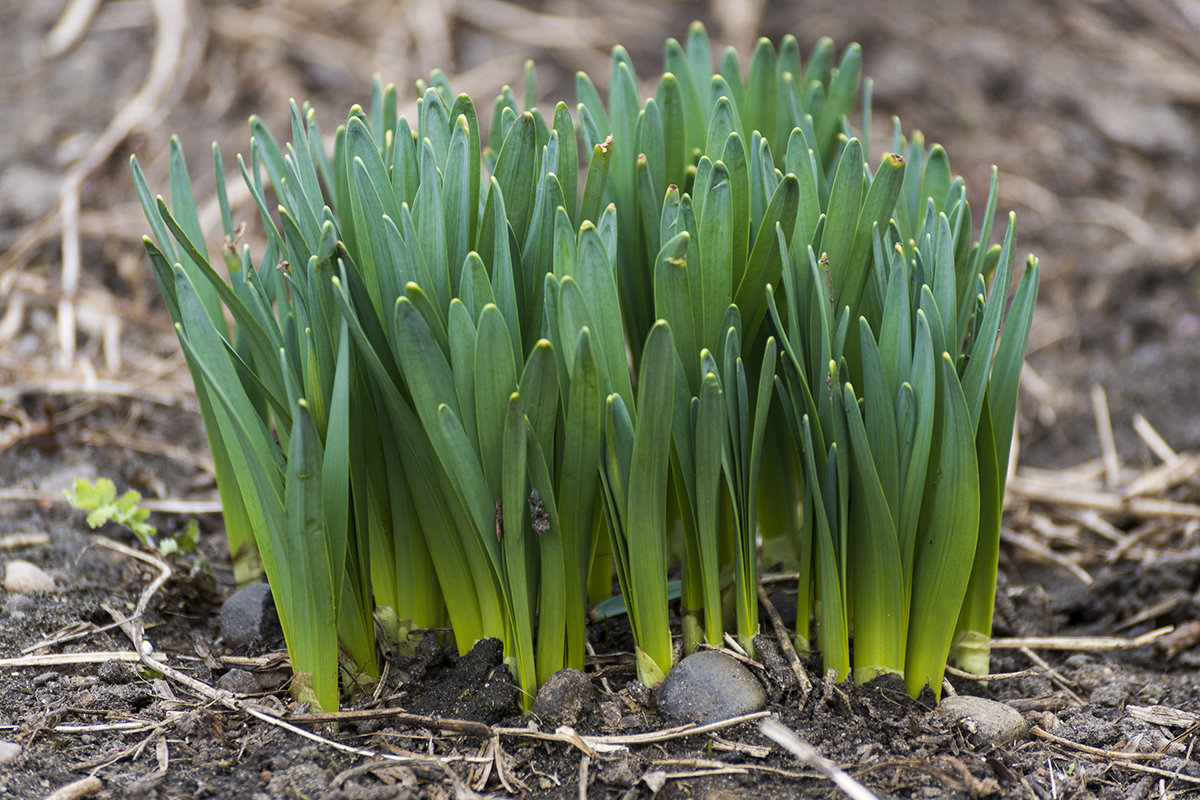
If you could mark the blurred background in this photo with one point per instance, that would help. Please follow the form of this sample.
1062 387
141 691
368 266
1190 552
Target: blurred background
1090 109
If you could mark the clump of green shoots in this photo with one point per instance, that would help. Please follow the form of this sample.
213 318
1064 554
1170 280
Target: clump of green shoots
464 383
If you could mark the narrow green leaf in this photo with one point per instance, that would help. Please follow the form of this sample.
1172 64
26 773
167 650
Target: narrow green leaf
946 542
983 344
876 209
845 202
710 438
597 179
765 264
715 283
646 521
567 166
840 98
734 158
462 340
673 302
314 651
671 102
578 479
1010 356
589 99
495 380
539 394
520 580
597 281
460 214
971 646
516 171
877 587
762 87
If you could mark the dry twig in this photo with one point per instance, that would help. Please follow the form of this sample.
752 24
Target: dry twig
1055 676
785 644
62 659
1114 755
592 745
1080 643
171 20
804 751
992 676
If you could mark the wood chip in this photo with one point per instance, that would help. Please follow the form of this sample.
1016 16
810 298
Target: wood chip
15 541
1164 715
76 789
1184 638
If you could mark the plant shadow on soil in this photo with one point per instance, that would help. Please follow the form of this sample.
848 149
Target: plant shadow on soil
895 745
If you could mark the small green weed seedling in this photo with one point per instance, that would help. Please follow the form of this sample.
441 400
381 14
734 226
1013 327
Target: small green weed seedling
100 500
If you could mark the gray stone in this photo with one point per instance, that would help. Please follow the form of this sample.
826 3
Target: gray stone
9 752
249 622
19 604
22 577
987 720
709 686
564 697
238 681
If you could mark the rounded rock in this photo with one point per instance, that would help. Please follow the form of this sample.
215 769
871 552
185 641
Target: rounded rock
990 721
22 577
9 752
709 686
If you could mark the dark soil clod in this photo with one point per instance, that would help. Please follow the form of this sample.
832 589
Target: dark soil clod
478 688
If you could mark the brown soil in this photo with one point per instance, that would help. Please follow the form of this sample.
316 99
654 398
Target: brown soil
1090 109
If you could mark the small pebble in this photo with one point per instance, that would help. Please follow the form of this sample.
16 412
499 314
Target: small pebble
709 686
63 478
116 672
45 678
19 604
21 577
238 681
9 752
995 723
610 712
618 770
